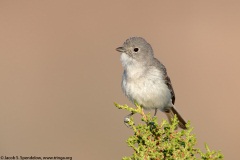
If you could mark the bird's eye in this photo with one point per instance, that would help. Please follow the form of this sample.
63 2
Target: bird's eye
135 49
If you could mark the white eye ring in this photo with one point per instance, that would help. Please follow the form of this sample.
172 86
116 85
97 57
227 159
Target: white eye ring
136 49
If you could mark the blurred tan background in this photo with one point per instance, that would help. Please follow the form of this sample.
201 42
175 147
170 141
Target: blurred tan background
60 73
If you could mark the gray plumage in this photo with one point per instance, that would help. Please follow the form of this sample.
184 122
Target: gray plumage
145 78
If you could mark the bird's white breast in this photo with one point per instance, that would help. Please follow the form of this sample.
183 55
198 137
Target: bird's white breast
145 85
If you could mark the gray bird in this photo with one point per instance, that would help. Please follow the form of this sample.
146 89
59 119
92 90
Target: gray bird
145 79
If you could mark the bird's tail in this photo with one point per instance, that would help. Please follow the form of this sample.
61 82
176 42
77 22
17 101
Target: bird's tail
170 114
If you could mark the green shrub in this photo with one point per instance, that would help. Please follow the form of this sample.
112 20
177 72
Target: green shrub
153 141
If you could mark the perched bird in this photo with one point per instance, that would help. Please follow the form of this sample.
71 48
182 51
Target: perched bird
145 79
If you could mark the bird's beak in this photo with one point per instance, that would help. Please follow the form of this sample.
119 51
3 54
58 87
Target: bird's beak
121 49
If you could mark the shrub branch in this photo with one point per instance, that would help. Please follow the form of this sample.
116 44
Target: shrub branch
153 141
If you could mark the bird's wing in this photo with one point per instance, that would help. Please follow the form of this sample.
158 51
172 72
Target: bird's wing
169 84
166 79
